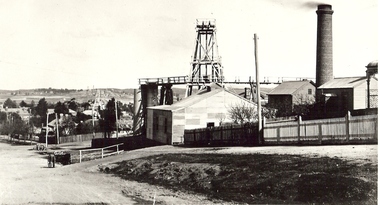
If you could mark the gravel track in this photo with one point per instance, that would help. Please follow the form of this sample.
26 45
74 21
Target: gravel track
25 178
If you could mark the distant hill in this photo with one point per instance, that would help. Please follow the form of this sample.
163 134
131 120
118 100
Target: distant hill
54 95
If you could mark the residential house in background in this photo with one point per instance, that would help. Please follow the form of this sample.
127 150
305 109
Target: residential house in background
208 107
290 93
22 111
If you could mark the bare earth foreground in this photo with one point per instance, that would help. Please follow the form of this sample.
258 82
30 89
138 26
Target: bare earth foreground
25 178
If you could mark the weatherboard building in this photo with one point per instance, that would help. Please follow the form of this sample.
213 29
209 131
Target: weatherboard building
208 107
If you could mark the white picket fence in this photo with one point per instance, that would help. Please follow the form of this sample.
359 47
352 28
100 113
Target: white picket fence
103 154
339 130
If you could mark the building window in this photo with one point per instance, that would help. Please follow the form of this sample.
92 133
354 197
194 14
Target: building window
310 91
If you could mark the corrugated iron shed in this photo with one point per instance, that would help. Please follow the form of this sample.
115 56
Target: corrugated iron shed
346 82
195 98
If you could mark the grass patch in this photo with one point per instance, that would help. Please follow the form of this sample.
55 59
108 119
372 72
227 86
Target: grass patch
257 178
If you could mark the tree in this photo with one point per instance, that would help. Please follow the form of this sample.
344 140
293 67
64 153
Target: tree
61 108
23 104
303 104
67 125
221 117
269 113
50 105
36 121
242 113
87 127
20 125
3 117
9 103
41 110
32 107
130 109
42 107
86 105
14 125
73 105
108 117
32 104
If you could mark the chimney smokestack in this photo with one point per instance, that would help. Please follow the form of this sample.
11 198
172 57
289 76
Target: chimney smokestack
324 68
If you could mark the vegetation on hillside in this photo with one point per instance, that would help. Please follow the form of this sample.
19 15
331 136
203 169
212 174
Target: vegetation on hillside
37 116
257 178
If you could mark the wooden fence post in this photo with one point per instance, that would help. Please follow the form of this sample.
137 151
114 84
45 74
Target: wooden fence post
278 135
299 128
262 141
221 134
320 133
232 137
348 116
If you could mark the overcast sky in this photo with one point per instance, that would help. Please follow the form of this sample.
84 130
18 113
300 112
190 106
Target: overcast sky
110 44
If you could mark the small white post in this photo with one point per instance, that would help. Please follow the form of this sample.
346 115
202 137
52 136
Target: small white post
348 117
102 153
80 156
117 148
299 128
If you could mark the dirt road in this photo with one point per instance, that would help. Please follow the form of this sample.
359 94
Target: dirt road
25 178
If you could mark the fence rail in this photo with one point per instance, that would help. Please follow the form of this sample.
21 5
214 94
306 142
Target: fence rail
349 129
80 137
118 151
223 135
165 80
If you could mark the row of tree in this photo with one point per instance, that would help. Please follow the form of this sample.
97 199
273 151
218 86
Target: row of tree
12 123
68 123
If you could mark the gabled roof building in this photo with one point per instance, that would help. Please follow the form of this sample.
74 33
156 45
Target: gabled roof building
208 107
290 93
349 93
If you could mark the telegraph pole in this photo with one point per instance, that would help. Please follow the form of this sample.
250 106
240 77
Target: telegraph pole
57 124
47 127
258 88
117 123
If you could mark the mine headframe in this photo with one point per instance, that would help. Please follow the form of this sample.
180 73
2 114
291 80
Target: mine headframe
206 63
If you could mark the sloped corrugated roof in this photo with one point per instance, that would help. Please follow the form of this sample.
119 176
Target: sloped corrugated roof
346 82
195 98
186 102
289 87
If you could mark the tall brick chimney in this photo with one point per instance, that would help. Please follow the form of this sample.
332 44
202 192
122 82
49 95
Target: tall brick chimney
324 68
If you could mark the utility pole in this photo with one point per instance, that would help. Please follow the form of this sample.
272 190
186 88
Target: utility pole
57 124
117 124
46 136
258 88
93 120
30 126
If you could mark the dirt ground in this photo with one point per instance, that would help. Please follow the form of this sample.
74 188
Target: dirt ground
25 177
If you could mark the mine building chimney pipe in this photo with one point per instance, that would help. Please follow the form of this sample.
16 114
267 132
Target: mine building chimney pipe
324 67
